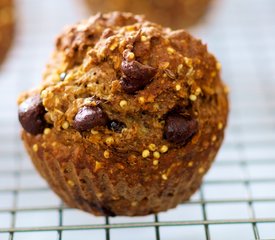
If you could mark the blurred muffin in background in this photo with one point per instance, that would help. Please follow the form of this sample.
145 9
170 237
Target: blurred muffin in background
6 26
169 13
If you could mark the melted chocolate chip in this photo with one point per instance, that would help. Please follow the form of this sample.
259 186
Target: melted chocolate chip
116 126
89 117
180 129
31 115
137 75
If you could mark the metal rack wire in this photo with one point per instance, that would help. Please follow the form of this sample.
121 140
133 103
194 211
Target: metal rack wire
237 198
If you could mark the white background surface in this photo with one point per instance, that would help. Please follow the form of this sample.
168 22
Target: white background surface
240 185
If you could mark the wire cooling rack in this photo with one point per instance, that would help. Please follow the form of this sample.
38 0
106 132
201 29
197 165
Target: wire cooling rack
237 198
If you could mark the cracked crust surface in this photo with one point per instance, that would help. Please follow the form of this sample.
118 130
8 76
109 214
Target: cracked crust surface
135 171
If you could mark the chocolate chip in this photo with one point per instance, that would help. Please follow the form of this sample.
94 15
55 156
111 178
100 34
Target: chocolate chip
31 115
89 117
116 126
180 129
137 75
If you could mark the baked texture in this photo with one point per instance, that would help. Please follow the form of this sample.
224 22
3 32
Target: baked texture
170 13
6 26
128 118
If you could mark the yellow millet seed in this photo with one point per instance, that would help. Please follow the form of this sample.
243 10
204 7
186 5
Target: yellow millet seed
190 164
163 149
171 50
220 126
164 65
47 131
141 100
98 165
193 97
179 68
214 138
70 183
198 91
113 46
130 56
156 154
155 162
123 103
152 147
164 177
65 125
143 38
94 132
145 153
35 147
201 170
218 66
106 154
109 140
178 87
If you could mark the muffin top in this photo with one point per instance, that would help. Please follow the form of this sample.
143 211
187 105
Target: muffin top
118 81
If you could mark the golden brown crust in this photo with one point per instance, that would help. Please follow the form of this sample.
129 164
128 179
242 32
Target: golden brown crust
136 171
6 26
170 13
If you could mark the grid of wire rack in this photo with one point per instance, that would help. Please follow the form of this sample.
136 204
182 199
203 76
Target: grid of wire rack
237 198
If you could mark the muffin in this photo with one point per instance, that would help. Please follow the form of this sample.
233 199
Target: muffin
6 26
128 117
170 13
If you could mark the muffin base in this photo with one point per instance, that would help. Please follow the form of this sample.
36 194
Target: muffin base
97 193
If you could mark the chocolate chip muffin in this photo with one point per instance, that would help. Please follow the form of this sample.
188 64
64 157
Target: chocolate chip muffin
128 118
6 26
170 13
